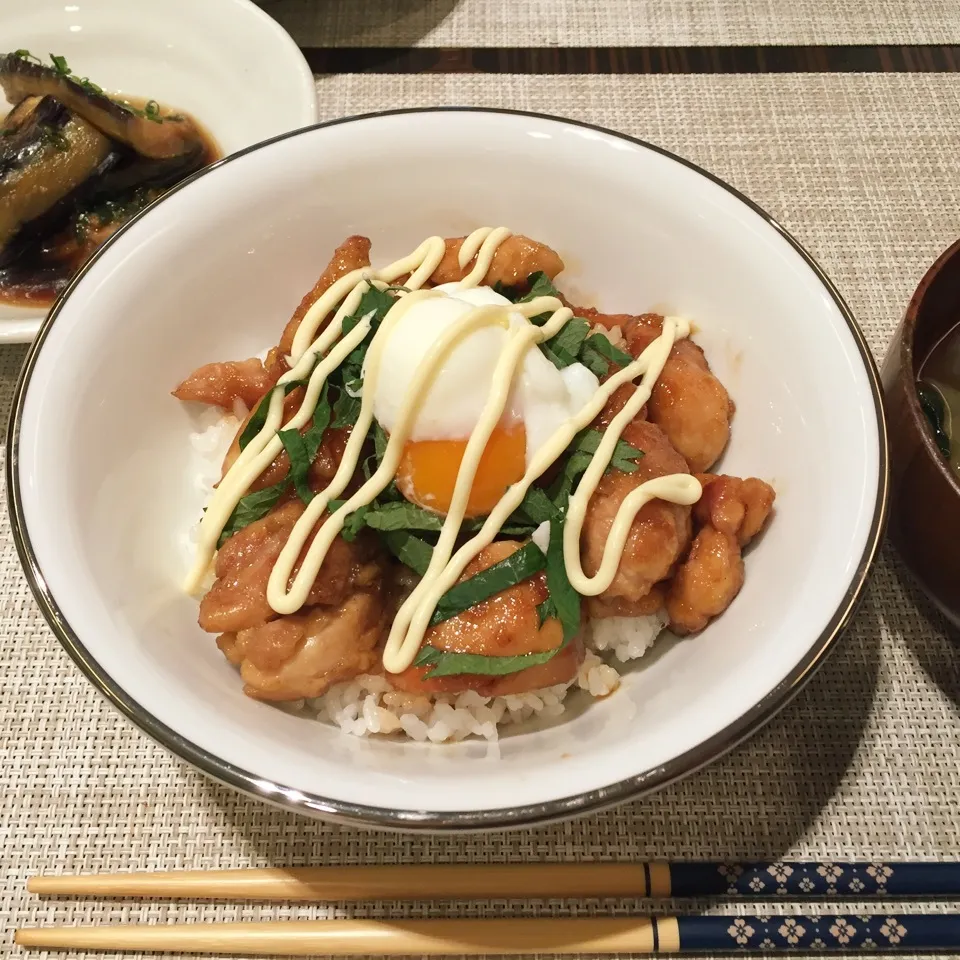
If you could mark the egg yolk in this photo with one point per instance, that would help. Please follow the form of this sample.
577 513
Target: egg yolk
428 470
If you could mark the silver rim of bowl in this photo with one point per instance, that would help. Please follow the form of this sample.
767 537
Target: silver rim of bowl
428 821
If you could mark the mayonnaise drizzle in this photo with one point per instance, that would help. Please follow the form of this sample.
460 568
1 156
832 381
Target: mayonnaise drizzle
317 357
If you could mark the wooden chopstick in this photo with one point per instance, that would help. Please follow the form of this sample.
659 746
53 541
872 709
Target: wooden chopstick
561 935
524 881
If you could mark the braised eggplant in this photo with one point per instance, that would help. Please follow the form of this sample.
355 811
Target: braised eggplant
157 136
44 158
75 165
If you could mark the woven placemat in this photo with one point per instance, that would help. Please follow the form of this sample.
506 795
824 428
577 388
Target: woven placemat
585 23
864 763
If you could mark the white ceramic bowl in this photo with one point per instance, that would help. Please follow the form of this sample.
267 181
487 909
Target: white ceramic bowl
224 61
102 485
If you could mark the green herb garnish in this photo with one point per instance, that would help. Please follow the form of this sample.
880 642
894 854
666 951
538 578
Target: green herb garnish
403 516
63 69
411 551
89 85
580 453
597 354
540 286
353 523
510 571
535 508
563 602
563 348
446 664
259 418
348 377
346 409
254 506
109 211
54 137
302 448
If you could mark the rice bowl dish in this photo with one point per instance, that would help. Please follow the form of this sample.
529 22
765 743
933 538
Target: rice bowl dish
457 392
105 486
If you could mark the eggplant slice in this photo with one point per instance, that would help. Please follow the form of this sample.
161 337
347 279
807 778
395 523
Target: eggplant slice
158 138
46 154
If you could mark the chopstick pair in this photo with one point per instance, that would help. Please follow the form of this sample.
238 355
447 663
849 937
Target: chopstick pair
597 935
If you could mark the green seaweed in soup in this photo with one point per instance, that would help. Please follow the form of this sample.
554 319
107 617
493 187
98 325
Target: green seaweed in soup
938 389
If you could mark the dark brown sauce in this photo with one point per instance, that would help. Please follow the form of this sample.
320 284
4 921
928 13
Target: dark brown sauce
38 279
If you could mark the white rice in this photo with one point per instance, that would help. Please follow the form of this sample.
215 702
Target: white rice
626 637
368 705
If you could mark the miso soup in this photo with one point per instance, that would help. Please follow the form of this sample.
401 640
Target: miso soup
939 391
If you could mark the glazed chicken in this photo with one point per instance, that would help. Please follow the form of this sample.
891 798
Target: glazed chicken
683 561
506 625
291 657
515 260
688 402
303 655
248 380
323 467
659 534
352 254
694 579
729 515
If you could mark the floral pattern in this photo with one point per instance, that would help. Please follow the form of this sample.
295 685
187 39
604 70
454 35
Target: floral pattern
822 933
731 873
780 871
893 931
828 933
791 931
830 879
830 872
842 931
741 931
880 872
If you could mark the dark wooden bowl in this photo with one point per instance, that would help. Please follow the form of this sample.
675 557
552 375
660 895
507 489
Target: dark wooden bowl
925 491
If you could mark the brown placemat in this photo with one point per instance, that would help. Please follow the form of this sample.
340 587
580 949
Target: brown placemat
579 23
865 763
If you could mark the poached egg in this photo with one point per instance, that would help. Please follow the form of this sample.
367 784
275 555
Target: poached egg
541 399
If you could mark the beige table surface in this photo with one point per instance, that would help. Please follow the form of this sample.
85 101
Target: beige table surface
585 23
865 763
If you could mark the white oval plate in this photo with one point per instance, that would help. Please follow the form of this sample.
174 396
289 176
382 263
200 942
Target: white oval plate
224 61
